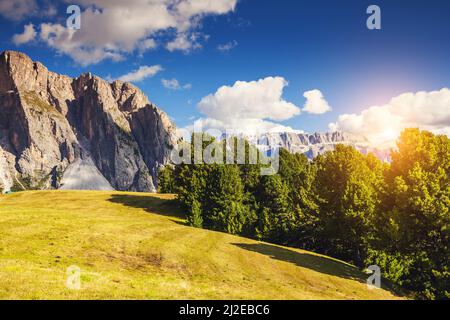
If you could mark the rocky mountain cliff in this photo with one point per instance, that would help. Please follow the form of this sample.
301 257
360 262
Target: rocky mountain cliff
77 133
314 144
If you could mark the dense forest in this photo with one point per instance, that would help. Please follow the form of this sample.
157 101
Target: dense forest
343 204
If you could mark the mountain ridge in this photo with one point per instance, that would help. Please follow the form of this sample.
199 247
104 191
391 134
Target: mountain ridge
50 121
313 144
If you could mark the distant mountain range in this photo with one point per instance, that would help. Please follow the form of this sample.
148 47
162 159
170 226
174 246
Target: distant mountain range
313 144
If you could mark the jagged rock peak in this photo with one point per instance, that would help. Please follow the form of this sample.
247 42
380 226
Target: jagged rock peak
50 123
313 144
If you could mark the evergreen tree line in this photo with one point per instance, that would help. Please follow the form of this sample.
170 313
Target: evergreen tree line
343 204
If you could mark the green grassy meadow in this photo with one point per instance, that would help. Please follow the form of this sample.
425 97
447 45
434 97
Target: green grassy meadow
137 246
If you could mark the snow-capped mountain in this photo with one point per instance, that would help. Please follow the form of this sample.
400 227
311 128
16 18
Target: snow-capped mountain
313 144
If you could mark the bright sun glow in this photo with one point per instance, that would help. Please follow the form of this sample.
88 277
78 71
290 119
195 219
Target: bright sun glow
389 134
385 138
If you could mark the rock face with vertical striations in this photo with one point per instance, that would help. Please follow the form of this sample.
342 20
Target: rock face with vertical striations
314 144
85 132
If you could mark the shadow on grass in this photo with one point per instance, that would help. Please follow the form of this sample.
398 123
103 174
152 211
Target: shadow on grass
306 260
151 204
317 263
170 208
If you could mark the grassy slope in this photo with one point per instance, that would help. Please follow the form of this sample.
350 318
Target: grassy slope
131 245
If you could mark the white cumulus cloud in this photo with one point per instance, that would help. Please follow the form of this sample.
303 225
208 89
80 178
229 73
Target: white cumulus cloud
17 9
240 126
255 99
29 34
184 42
111 29
146 45
249 106
382 124
315 102
174 84
140 74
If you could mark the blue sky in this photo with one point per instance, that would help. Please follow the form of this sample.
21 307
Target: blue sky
322 45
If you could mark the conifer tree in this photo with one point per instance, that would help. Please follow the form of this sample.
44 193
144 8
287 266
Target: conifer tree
277 217
348 195
224 209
